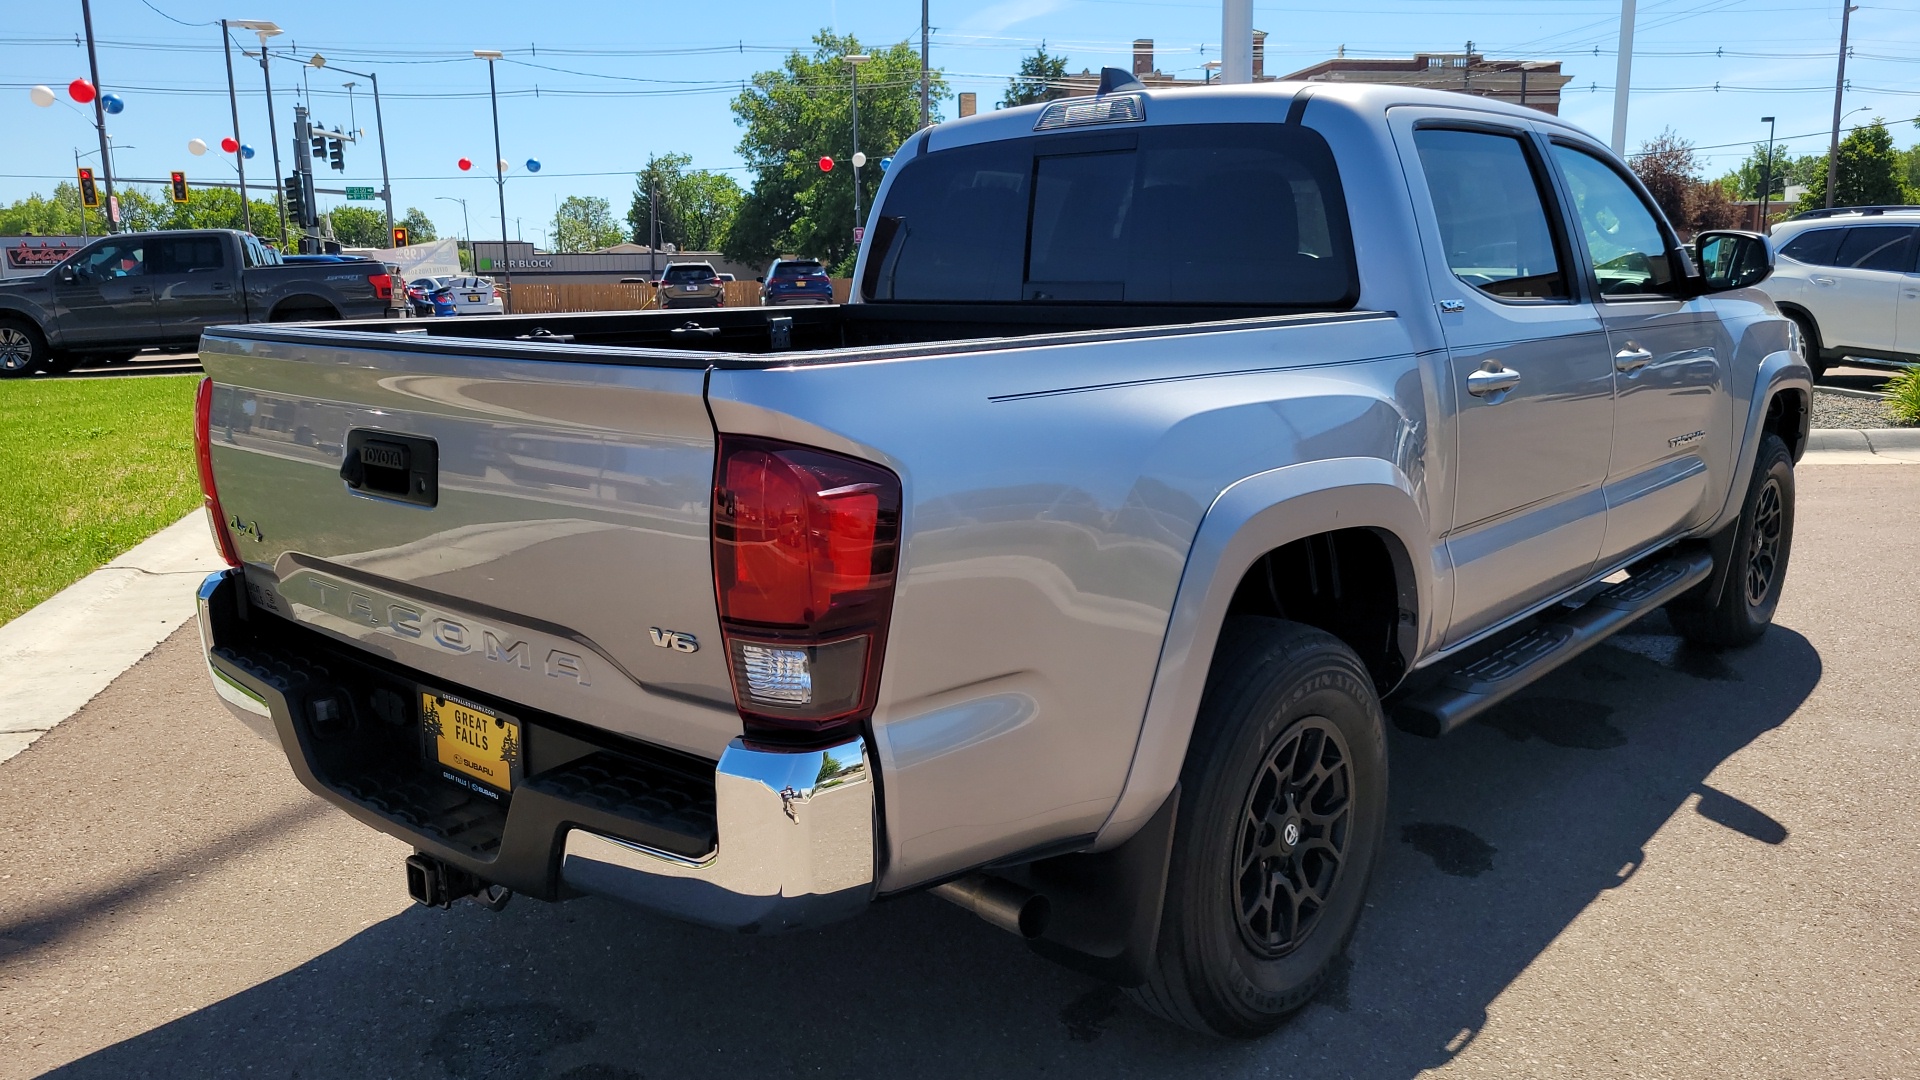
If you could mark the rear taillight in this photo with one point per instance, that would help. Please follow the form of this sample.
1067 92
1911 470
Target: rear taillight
203 456
805 544
496 294
382 285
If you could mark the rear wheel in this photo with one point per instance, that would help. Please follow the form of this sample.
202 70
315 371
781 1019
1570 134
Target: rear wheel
23 349
1810 335
1757 567
1282 808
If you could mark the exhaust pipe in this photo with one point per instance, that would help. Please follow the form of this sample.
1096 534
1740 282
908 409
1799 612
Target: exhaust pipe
1013 908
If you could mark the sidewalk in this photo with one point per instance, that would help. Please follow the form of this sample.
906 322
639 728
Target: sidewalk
59 655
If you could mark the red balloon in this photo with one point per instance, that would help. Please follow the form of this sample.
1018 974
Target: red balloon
229 145
465 164
826 164
80 90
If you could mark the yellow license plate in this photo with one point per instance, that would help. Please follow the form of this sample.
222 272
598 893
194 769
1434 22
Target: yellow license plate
473 298
471 741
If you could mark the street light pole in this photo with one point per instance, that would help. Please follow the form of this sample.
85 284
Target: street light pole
100 118
1839 88
379 128
466 227
500 173
233 103
1766 176
854 60
1623 78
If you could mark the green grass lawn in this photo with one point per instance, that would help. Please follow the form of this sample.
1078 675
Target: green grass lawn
88 469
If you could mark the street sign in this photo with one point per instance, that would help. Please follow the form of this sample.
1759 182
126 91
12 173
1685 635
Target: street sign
89 191
359 194
178 182
399 232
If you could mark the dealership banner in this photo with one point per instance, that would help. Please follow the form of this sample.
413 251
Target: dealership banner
24 256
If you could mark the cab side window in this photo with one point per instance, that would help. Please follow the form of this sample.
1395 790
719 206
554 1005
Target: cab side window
1628 250
184 255
1493 219
1877 247
1815 247
114 259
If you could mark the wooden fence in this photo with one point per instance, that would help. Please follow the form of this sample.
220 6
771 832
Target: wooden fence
535 299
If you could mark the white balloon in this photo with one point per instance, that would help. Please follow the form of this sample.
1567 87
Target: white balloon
42 96
859 160
505 165
196 147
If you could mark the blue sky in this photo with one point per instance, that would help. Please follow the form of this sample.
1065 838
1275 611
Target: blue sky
596 87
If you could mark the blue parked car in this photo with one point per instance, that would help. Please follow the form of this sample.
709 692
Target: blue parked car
796 281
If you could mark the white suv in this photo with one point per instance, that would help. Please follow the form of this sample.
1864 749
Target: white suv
1850 279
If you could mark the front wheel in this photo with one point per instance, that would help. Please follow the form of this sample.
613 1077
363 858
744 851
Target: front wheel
1282 808
1757 564
23 350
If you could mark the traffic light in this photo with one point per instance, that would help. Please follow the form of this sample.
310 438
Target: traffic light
298 191
319 145
400 238
290 194
337 154
179 180
89 193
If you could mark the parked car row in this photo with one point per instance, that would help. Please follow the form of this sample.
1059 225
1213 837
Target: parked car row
444 296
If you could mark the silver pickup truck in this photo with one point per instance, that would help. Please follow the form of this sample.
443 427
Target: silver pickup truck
1173 444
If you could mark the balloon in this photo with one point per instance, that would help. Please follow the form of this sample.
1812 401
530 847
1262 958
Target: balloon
42 96
247 152
112 103
196 147
533 164
229 145
826 164
859 159
886 163
464 164
505 165
80 90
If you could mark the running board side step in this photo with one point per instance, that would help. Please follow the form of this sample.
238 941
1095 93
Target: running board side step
1463 687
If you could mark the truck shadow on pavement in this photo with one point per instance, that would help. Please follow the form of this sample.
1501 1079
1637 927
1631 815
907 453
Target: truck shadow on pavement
1500 836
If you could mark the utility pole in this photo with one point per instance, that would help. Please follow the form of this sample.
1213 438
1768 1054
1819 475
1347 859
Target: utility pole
273 133
100 118
653 224
926 111
380 129
1623 78
499 166
233 103
1236 41
1766 176
1839 89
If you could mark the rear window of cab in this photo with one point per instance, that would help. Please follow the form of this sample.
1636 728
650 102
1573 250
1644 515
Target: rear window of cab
1189 214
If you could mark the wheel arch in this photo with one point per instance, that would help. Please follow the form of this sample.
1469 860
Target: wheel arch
284 309
1250 521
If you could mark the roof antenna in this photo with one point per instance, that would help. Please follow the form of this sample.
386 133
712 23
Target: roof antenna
1114 80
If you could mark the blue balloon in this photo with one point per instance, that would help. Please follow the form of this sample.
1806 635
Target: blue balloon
246 151
112 103
533 164
886 163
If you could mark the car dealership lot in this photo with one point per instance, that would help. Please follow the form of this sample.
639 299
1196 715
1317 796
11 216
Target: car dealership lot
1656 863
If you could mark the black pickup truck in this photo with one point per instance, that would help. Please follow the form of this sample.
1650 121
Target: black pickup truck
124 293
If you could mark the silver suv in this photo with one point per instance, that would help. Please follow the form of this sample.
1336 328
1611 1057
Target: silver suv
1850 280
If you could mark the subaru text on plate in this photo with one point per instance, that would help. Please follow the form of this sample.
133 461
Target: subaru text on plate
1175 443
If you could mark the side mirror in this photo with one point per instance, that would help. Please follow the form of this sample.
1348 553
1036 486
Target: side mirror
68 274
1732 260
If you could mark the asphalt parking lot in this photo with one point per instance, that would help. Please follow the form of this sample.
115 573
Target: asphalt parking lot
1657 863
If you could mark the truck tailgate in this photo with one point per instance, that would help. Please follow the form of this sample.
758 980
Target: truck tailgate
564 564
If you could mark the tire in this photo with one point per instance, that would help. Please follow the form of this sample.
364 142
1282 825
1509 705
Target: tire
61 362
1810 334
23 349
1757 567
1230 961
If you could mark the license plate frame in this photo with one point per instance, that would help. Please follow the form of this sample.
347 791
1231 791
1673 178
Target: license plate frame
475 746
473 298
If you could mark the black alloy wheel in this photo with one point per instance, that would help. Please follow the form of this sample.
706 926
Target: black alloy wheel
1763 550
1755 567
1293 839
20 351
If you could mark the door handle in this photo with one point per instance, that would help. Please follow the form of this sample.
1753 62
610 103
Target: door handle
1492 381
1821 279
1631 359
137 290
221 286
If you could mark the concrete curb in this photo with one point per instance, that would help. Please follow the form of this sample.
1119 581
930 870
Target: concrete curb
63 652
1862 446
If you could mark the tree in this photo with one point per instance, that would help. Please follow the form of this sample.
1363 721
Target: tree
420 228
1870 172
1745 181
584 223
800 113
1039 79
697 206
1668 167
359 226
206 208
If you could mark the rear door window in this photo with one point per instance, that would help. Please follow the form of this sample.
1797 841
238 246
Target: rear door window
1816 247
185 254
1487 201
1191 214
